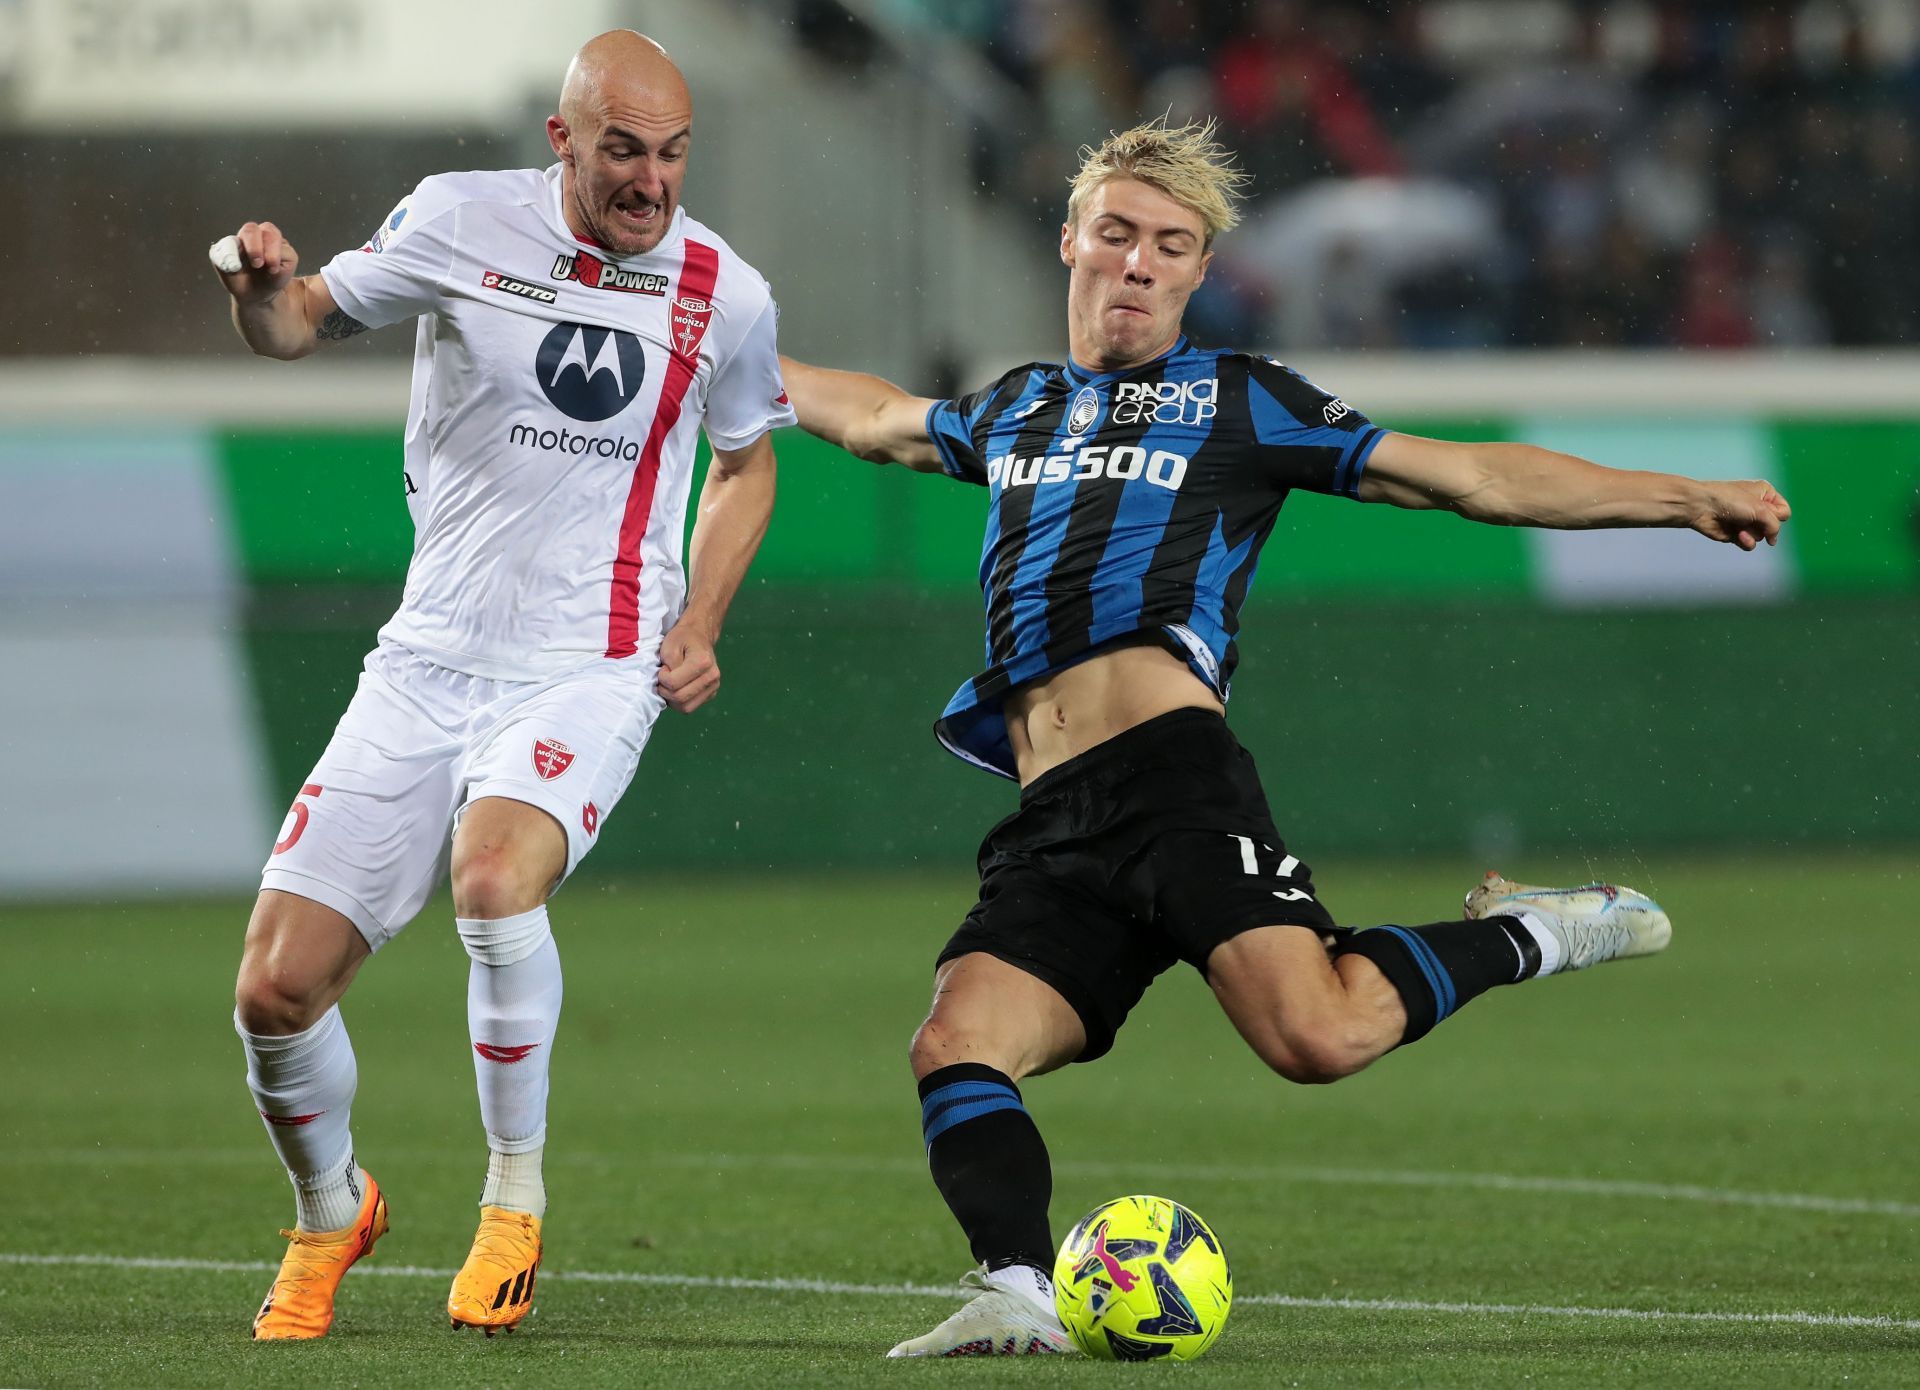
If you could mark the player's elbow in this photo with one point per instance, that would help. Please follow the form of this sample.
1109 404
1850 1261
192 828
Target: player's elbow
1480 492
867 437
1523 485
1470 480
869 448
270 331
877 449
281 346
281 352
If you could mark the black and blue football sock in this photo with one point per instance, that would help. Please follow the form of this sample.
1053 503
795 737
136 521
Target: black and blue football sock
990 1163
1438 968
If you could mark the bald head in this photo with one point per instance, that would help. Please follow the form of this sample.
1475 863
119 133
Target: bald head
622 67
625 121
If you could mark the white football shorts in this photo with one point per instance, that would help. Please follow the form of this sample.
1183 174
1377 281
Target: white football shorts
371 832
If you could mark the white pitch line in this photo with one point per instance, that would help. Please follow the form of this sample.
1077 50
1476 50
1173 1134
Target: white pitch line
831 1286
1362 1177
1591 1187
1130 1171
1401 1305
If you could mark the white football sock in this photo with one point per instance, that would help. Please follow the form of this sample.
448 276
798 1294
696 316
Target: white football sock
1030 1282
332 1199
513 1007
1551 955
514 1182
303 1087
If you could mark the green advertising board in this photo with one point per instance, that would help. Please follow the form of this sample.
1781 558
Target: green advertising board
1410 682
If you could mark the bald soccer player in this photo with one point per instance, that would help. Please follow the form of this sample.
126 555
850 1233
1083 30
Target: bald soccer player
576 331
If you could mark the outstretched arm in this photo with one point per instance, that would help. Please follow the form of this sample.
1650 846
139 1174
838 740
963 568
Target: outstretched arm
1521 485
736 503
864 415
278 314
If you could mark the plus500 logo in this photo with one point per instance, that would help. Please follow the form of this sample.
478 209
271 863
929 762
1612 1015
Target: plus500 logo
1124 462
1164 402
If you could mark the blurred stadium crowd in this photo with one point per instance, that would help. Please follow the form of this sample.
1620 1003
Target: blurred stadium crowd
1507 173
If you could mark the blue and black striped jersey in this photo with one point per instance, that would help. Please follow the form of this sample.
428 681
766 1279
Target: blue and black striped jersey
1126 502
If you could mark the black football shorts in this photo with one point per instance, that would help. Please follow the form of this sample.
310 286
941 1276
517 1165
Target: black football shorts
1153 847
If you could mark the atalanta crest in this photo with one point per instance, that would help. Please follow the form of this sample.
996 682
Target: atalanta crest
1086 408
551 758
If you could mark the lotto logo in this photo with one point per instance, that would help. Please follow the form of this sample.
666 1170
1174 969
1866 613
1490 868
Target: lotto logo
507 284
1164 402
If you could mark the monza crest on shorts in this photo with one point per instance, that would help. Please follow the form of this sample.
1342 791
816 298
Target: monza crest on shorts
551 757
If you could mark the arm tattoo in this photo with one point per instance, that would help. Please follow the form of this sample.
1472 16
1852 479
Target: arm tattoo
338 326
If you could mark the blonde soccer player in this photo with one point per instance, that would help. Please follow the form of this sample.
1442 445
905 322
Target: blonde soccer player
1128 490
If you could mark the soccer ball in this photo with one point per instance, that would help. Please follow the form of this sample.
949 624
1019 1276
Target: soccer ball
1141 1278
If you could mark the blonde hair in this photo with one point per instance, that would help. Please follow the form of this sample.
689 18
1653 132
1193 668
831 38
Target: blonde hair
1184 162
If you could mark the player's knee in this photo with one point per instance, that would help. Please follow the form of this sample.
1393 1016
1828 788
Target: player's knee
1315 1056
491 883
935 1045
273 999
298 960
942 1042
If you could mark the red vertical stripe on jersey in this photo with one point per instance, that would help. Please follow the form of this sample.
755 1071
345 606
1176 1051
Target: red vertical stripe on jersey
697 275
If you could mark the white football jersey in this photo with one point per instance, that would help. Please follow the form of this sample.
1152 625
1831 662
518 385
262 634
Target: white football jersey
557 398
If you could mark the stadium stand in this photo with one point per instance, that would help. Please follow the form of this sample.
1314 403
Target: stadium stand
1492 173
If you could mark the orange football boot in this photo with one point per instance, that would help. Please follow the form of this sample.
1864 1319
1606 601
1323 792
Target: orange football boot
494 1288
300 1303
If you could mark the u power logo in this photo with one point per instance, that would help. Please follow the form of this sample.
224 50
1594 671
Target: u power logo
590 373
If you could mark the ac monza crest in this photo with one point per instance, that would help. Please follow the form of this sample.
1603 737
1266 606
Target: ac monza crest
690 317
551 757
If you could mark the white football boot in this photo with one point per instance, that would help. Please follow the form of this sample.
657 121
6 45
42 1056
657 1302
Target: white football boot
1592 923
995 1322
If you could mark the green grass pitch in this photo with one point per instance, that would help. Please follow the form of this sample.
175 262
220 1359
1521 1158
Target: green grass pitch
1696 1170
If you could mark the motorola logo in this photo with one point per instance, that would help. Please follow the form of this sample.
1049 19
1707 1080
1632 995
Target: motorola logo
590 373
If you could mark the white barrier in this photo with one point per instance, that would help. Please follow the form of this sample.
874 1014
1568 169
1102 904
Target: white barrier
241 390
